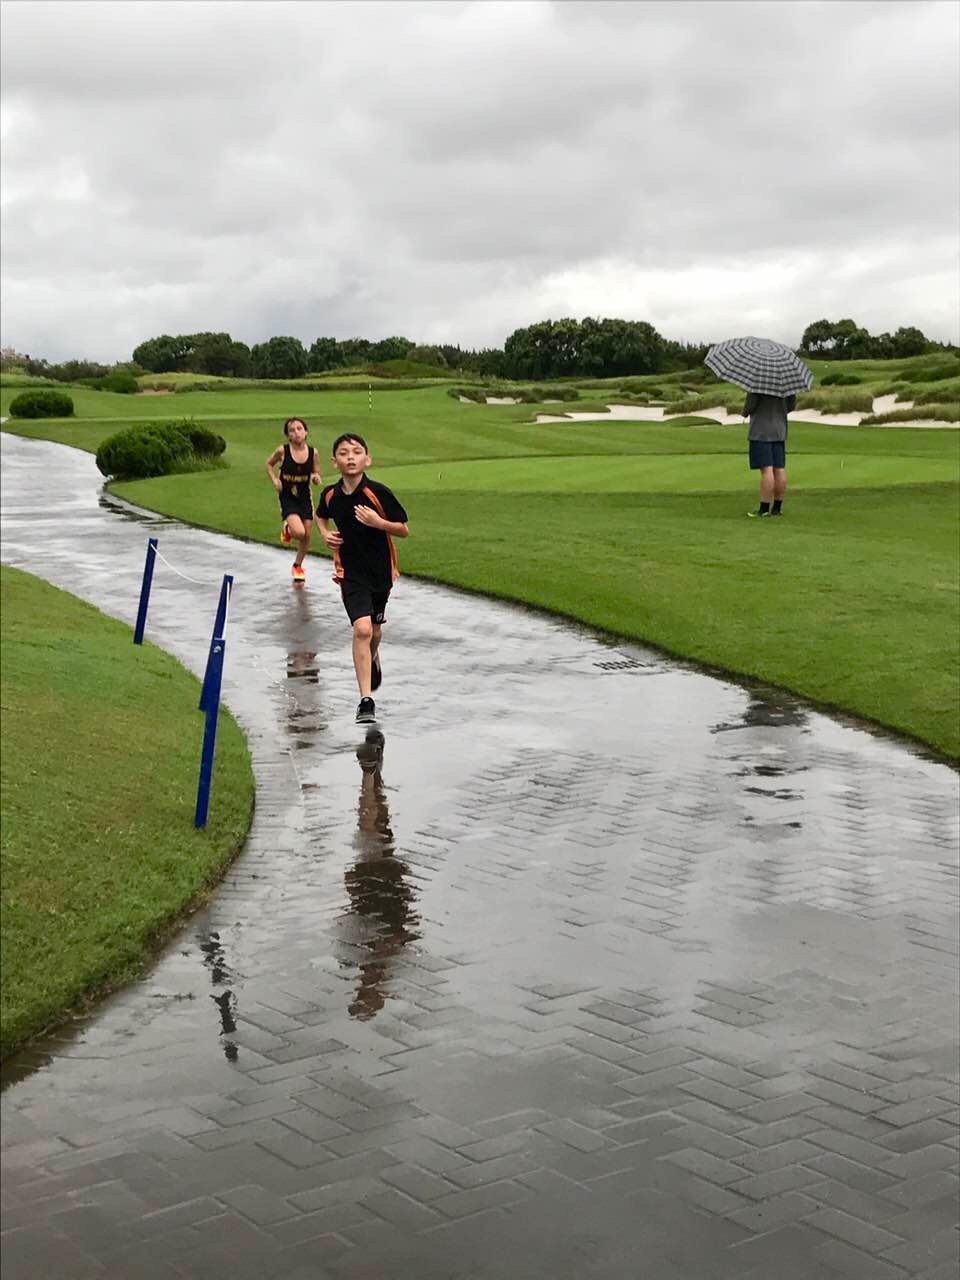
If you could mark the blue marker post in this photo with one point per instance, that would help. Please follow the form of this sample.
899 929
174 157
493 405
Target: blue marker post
218 628
145 590
215 674
210 701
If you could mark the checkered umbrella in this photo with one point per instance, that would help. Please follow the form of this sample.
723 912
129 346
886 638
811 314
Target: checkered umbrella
759 365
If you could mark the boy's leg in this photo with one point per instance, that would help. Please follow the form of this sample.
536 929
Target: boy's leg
362 655
779 483
766 484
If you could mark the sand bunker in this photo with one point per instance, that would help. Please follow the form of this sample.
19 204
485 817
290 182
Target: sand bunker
655 413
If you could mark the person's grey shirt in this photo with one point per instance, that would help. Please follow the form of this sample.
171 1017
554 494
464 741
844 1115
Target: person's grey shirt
768 416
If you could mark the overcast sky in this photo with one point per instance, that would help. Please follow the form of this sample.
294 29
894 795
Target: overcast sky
450 171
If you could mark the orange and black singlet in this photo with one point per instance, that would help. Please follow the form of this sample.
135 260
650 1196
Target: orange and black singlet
295 483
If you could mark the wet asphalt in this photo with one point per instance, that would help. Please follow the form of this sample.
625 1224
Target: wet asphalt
584 963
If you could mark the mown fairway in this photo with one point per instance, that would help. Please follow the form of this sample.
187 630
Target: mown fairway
640 529
101 743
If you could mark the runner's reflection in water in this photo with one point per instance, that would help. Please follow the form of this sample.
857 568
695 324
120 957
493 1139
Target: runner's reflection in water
221 975
382 912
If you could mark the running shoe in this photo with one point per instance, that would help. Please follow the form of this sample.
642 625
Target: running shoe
285 536
298 574
758 515
366 711
376 675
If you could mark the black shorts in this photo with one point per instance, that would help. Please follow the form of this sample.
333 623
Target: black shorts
767 453
361 601
296 507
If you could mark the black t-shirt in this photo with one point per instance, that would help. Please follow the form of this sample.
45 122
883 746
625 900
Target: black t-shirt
367 554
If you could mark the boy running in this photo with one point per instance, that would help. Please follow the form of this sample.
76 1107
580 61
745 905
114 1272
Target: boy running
298 471
368 518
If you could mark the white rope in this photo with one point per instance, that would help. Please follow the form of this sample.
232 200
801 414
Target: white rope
186 577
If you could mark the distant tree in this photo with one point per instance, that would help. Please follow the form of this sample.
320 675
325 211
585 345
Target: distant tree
391 349
324 354
492 362
598 348
218 354
909 341
453 357
427 355
355 350
77 370
164 354
818 338
281 357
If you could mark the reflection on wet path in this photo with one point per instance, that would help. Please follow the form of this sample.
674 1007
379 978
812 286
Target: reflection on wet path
381 916
595 958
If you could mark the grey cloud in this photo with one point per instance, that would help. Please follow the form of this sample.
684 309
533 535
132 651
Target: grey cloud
450 170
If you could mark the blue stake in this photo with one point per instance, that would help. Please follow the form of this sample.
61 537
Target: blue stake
217 651
145 590
218 627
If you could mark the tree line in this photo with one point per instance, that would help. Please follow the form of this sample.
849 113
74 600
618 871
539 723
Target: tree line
567 348
846 340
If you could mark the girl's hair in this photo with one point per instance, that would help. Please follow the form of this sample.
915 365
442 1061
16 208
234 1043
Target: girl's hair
349 435
290 421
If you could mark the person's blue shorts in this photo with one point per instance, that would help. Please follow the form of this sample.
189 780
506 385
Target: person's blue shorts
767 453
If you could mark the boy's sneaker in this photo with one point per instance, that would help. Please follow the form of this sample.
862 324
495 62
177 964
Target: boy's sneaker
370 752
376 675
298 574
366 711
285 536
758 515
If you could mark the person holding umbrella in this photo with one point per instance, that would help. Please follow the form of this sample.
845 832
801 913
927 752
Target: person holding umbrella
771 374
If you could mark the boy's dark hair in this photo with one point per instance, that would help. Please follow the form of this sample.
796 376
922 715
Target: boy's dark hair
290 421
348 435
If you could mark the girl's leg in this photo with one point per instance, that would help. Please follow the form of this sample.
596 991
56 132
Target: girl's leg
300 532
362 663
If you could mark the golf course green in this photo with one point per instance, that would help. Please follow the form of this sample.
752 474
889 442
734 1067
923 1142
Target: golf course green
635 528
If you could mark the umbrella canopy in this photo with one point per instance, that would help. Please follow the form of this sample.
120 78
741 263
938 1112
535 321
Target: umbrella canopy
759 365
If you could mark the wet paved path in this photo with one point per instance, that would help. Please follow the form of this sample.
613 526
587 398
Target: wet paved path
611 970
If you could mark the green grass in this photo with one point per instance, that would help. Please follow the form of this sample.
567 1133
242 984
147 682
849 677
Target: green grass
640 529
100 858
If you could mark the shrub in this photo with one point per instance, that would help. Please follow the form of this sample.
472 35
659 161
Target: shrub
537 395
932 373
41 404
205 443
409 369
478 395
20 378
121 382
840 380
942 394
158 450
929 413
836 401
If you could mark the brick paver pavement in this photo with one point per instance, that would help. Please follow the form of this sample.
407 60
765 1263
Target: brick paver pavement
605 969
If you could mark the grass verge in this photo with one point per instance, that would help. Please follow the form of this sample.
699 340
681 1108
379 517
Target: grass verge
100 858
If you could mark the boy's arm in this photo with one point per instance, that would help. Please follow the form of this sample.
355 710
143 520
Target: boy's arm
371 518
330 536
271 463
